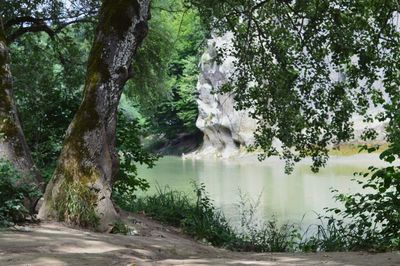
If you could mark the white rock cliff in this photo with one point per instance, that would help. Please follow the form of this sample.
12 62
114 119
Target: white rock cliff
226 130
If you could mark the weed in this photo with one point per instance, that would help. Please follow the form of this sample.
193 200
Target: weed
198 217
263 236
120 228
75 204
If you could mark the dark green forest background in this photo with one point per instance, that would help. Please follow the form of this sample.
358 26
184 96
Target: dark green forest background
158 103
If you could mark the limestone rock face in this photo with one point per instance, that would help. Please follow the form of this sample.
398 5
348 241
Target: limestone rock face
225 129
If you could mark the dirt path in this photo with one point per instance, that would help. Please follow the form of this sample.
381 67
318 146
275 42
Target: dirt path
55 244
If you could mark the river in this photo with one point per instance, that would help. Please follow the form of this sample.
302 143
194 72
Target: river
290 198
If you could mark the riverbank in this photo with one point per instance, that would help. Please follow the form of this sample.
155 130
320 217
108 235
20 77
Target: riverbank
345 150
342 150
287 197
152 244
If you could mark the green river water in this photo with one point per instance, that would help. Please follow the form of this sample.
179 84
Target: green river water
290 198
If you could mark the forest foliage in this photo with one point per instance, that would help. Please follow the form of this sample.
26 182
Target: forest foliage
286 53
305 69
160 100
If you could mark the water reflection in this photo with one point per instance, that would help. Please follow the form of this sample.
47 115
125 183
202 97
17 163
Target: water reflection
287 197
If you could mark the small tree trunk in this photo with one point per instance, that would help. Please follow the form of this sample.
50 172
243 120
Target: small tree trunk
80 189
13 146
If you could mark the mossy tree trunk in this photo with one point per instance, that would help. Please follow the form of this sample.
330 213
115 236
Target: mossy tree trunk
80 190
13 146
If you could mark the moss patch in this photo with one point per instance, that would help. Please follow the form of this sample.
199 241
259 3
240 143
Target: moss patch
86 119
75 203
5 84
9 130
97 67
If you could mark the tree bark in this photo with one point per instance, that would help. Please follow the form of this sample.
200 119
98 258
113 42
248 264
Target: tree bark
13 146
79 192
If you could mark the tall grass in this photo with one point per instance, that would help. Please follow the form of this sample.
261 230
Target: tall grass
196 216
258 235
329 235
199 218
333 234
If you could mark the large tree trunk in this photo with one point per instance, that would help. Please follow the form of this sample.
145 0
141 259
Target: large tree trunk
13 146
79 192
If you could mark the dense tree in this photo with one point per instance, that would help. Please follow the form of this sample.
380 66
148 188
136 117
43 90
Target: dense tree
17 19
47 102
166 88
305 67
80 189
13 147
178 112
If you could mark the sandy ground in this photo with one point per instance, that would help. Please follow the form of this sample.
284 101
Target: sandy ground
153 244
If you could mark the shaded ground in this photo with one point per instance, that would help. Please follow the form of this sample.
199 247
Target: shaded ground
55 244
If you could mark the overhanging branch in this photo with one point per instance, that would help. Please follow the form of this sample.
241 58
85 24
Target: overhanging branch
39 25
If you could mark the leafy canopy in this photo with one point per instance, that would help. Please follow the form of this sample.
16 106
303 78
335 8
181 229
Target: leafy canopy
305 67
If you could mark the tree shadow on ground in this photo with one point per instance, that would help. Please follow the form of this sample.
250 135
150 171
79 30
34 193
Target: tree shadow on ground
55 244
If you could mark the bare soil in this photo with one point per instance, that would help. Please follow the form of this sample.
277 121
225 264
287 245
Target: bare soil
152 244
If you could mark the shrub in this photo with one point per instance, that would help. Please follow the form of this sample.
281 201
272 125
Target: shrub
13 196
369 220
329 235
167 206
130 152
373 217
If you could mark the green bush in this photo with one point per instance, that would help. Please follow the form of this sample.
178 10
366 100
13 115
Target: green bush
130 153
166 206
13 196
330 235
76 204
373 216
369 220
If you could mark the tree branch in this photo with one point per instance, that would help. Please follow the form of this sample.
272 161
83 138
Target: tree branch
24 19
39 25
34 28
